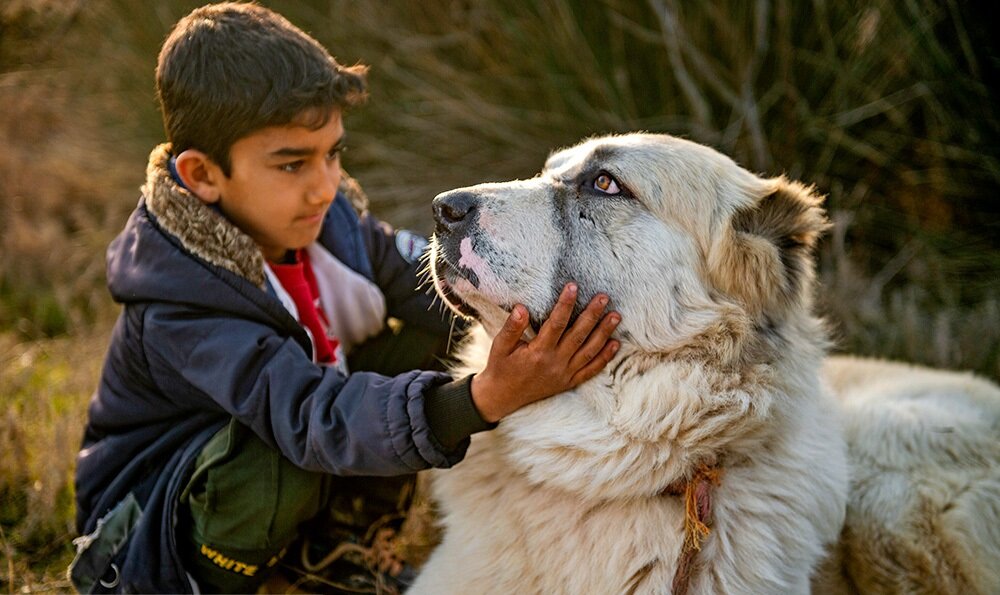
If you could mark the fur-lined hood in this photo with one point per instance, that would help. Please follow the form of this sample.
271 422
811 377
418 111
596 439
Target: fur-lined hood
201 229
177 248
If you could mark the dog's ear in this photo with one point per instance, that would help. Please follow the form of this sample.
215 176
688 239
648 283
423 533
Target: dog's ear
764 257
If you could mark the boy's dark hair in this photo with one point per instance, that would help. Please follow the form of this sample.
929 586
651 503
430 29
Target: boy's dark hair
227 70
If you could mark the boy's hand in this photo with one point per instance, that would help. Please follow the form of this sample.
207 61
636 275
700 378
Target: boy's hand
558 359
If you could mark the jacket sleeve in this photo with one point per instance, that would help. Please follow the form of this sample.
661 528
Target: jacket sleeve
397 268
362 424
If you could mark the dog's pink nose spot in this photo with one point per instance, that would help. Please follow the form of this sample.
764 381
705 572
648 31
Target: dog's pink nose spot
470 259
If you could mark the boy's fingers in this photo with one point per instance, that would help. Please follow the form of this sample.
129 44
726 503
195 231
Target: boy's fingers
510 334
577 334
596 365
552 329
595 342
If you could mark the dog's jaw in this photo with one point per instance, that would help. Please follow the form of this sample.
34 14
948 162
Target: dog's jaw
462 296
444 277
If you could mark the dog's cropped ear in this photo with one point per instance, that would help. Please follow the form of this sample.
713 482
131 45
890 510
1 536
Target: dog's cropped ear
764 257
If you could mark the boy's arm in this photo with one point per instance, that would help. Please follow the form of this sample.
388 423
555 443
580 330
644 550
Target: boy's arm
362 424
397 268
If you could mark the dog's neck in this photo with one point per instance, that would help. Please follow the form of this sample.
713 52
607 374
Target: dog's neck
672 402
698 492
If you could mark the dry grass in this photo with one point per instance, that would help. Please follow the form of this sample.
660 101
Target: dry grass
889 107
46 387
61 180
886 106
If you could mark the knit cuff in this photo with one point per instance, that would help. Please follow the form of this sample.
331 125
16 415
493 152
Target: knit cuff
451 414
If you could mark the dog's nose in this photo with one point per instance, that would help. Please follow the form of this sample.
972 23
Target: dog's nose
452 209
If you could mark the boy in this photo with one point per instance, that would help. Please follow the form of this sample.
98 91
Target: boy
226 409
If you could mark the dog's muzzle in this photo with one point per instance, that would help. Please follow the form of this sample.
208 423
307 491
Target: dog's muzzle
454 212
454 215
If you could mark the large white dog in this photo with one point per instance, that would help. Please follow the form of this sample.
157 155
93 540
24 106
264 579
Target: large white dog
709 456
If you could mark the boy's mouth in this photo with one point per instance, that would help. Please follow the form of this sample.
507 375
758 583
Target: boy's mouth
311 218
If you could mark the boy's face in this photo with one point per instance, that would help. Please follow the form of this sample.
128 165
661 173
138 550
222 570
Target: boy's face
282 181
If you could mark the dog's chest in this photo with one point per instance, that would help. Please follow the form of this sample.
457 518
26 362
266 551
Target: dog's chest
583 546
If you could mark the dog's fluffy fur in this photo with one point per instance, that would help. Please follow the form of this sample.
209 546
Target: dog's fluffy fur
720 366
923 514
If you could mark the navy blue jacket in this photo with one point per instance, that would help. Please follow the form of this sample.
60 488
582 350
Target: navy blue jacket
201 339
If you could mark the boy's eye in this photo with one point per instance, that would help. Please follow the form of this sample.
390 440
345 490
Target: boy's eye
335 152
292 167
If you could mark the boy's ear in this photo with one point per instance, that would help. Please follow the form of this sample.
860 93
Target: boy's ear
200 174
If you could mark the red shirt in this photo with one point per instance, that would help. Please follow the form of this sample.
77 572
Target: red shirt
299 281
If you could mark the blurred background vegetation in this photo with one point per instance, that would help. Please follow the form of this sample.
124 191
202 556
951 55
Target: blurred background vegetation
888 106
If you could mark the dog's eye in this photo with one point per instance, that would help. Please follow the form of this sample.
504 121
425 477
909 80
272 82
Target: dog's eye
606 184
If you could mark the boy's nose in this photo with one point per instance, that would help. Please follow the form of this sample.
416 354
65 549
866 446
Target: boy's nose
325 187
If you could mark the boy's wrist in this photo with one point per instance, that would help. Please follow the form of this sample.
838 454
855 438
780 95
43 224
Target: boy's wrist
451 413
483 398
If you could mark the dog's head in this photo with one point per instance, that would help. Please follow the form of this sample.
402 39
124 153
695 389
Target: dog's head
710 267
671 230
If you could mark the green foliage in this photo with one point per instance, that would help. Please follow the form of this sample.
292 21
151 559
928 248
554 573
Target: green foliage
37 314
